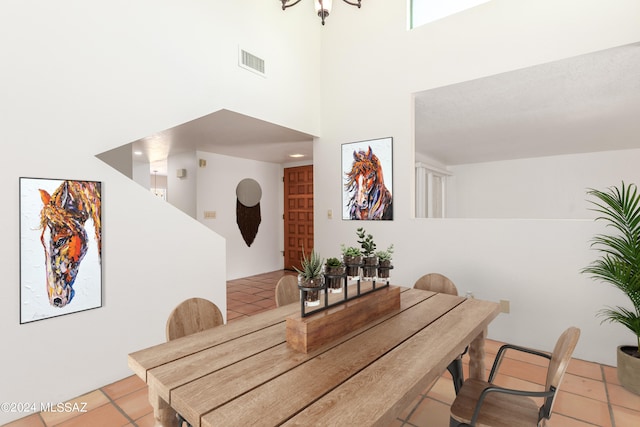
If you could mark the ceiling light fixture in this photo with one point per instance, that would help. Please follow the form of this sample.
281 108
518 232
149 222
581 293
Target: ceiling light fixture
323 7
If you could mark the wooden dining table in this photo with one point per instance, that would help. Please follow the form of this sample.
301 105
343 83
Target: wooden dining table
244 373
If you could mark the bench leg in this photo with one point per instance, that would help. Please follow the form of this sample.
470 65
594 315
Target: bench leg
164 414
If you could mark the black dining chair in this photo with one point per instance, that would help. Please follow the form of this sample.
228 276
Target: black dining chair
483 403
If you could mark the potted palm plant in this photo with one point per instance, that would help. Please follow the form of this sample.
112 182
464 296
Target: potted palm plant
619 265
368 251
310 276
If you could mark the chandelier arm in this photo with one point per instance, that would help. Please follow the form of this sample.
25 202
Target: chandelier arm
352 3
285 5
322 12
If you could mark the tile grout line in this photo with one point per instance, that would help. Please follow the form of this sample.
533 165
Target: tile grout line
109 402
408 417
606 391
44 423
118 408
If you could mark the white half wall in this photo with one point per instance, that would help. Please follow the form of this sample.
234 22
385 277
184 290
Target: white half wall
538 188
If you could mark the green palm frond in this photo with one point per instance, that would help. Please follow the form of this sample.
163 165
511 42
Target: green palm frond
623 316
620 274
619 264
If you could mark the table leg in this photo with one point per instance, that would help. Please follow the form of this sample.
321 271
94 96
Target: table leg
164 414
476 357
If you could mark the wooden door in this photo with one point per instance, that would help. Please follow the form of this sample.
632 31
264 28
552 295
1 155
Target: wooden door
298 214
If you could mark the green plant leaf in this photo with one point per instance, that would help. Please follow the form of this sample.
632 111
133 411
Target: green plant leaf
624 317
619 263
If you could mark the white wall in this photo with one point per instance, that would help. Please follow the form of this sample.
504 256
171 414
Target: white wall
141 173
181 192
157 181
367 89
539 188
82 77
217 192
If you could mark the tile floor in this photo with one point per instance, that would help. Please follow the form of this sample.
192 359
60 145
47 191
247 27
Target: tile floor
590 394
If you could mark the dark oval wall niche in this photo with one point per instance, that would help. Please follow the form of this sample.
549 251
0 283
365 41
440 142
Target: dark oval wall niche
248 195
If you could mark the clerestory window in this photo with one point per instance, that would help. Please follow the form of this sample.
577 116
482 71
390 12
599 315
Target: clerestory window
425 11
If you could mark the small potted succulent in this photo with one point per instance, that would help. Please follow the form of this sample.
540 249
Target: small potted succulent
310 276
334 272
352 259
368 246
384 262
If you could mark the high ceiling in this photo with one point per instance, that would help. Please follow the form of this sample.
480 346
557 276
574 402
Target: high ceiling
583 104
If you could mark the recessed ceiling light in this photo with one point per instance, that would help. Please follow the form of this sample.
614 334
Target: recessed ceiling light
296 155
138 153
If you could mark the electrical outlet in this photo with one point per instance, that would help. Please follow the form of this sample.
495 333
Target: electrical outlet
504 306
210 214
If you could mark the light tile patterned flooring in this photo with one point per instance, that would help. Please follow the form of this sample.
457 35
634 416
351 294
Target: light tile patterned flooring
589 396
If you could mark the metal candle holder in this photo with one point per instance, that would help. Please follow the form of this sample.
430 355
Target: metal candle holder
346 297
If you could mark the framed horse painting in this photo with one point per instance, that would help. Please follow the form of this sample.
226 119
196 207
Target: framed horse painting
60 247
367 180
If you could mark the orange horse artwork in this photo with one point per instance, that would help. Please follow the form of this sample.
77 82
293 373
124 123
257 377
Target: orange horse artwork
370 199
63 236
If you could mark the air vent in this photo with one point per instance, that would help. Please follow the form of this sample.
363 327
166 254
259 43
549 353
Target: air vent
251 62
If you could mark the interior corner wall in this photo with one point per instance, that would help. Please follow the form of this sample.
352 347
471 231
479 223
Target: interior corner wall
141 174
82 78
533 263
217 193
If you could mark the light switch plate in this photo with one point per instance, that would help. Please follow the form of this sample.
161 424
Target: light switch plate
504 306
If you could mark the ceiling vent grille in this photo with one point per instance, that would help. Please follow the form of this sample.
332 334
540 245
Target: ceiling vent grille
251 62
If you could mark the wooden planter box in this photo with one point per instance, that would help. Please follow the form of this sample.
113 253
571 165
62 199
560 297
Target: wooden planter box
311 332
